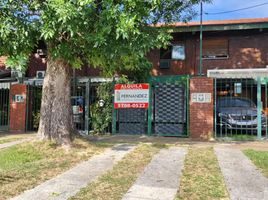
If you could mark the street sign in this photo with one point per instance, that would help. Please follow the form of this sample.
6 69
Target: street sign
131 96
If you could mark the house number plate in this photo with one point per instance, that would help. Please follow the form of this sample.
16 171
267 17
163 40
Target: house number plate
201 97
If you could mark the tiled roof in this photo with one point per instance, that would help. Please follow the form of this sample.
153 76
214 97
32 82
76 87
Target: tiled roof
217 22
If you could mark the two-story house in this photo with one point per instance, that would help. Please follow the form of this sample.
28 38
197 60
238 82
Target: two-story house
230 48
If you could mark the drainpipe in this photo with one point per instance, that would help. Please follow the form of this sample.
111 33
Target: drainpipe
201 41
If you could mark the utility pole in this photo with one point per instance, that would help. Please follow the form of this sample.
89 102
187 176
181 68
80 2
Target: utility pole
201 41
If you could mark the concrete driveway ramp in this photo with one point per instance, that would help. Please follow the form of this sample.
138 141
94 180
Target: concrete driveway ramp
70 182
243 180
161 178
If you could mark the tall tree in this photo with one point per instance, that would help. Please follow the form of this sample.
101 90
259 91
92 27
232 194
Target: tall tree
114 35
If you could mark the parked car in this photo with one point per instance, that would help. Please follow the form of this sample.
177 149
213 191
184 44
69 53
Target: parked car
238 113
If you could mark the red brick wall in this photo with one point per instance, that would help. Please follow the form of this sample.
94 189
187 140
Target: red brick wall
177 67
18 110
201 114
245 51
36 63
39 64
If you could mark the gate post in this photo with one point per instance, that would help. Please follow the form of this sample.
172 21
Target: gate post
149 131
18 107
114 112
259 107
201 108
87 107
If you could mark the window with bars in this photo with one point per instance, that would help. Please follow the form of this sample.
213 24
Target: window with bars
216 48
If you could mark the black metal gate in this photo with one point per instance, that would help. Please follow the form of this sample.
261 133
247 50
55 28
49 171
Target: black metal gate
132 121
167 114
240 108
33 106
169 109
78 102
83 94
4 106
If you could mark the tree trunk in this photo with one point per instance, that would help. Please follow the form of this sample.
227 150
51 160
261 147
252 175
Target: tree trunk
56 116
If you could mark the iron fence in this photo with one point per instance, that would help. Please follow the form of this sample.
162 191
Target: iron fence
83 95
241 108
4 106
34 93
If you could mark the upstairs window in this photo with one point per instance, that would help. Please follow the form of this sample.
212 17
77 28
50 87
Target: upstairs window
174 52
165 54
215 48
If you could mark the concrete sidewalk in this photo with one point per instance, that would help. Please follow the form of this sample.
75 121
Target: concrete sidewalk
69 183
161 178
9 144
243 180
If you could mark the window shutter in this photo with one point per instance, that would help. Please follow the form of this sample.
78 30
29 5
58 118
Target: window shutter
215 48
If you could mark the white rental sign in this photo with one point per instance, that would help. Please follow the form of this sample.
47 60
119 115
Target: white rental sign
131 96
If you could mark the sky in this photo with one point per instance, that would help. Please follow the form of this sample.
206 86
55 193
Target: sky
227 5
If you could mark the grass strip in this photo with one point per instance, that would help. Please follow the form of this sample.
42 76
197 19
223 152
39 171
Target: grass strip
202 178
11 138
115 183
27 165
245 137
2 141
259 158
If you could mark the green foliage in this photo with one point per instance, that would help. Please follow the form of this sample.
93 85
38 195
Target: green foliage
18 62
112 35
101 117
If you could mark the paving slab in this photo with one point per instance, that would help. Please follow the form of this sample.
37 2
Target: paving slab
70 182
161 178
243 180
9 144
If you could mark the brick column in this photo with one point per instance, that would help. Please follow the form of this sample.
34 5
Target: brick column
18 107
201 113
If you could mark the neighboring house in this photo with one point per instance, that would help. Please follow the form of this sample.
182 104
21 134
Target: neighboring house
238 45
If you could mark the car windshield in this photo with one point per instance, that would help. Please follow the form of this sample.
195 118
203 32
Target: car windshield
235 102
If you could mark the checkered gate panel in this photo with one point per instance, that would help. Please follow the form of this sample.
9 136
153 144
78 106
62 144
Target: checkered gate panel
132 121
169 109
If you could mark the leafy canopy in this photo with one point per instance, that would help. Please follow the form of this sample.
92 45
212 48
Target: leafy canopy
115 34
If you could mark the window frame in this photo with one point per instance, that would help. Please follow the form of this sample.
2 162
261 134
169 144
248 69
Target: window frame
216 57
171 49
